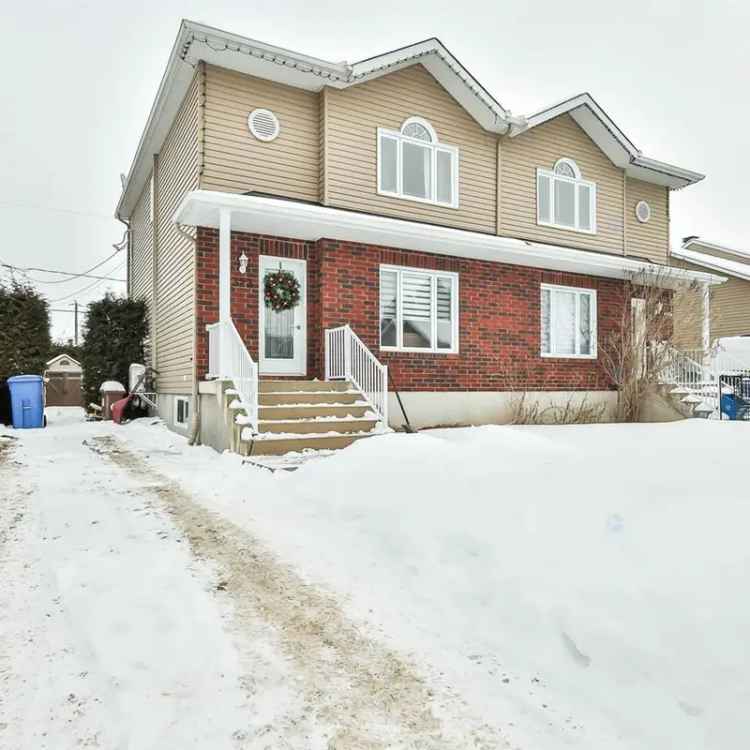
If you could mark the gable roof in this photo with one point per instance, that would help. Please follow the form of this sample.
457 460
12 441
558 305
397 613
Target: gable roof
620 150
196 42
736 268
71 361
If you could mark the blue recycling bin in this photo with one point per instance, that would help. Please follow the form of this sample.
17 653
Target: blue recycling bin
27 400
729 405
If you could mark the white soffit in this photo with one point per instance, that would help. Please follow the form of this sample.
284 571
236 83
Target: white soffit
722 265
696 243
306 221
620 150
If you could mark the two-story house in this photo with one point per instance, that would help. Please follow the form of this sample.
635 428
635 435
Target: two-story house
319 235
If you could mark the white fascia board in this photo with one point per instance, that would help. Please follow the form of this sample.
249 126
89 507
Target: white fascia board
722 265
698 243
449 72
620 150
305 221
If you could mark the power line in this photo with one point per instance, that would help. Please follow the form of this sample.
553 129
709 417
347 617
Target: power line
62 273
72 274
86 288
23 204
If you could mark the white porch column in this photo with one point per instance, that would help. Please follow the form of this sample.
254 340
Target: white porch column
225 264
706 329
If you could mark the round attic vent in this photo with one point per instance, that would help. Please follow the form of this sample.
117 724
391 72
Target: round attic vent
263 124
642 211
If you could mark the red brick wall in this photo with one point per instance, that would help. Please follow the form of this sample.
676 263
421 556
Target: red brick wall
499 313
244 296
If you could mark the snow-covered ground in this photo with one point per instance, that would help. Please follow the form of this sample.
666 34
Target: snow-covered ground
523 587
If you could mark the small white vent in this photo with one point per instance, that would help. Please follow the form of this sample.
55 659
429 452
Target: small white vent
642 211
263 124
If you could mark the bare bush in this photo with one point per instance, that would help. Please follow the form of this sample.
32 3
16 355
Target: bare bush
573 411
635 354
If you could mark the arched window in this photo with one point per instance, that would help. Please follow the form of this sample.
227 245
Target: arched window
564 199
416 127
567 168
413 164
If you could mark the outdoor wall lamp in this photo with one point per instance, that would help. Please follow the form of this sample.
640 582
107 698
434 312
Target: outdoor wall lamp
243 263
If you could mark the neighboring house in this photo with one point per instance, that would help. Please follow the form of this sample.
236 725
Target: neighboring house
729 302
472 252
63 377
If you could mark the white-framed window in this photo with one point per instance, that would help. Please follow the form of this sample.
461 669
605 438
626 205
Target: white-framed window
181 410
564 199
568 322
418 310
412 164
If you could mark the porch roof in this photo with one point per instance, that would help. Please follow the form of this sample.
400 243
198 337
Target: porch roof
306 221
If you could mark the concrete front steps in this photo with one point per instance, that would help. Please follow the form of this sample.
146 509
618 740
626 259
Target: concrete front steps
297 415
293 416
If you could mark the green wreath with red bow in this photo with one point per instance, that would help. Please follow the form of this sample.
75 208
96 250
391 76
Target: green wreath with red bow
281 290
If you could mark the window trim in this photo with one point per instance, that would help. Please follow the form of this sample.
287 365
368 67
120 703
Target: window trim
594 327
185 400
434 147
552 176
433 274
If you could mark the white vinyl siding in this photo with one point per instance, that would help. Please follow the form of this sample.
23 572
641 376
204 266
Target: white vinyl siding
418 310
565 202
568 322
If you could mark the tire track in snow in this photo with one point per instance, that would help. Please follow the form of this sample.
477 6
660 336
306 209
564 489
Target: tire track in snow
367 696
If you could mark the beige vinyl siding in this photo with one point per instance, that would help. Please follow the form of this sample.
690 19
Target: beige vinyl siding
729 308
141 285
177 173
235 161
542 147
649 240
353 116
141 248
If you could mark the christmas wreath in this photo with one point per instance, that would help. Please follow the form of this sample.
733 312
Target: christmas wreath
281 290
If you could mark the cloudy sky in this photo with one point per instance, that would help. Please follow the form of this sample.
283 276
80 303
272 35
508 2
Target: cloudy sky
79 79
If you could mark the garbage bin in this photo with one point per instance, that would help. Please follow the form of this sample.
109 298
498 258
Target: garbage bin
27 400
729 405
111 391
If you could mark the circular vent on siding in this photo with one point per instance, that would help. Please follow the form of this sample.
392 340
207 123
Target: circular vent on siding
263 124
642 211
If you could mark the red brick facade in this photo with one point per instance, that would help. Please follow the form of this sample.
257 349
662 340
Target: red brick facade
499 313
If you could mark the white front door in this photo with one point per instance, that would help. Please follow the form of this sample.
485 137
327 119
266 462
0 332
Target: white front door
283 335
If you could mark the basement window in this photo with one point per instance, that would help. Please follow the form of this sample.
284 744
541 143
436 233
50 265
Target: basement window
412 164
568 322
182 411
418 310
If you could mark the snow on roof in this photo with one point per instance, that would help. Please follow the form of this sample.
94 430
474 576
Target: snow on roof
620 150
696 243
723 265
70 360
111 386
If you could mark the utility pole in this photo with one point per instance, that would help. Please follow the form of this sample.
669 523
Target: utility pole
75 316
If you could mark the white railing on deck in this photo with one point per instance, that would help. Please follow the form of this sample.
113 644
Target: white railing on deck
229 359
347 358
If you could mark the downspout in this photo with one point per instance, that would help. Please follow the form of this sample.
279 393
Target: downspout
195 419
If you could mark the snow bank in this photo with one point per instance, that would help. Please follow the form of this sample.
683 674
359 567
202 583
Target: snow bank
577 586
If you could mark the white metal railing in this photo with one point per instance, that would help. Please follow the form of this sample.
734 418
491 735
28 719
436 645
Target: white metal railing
347 358
688 368
229 359
708 375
